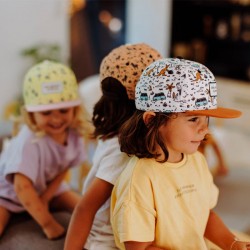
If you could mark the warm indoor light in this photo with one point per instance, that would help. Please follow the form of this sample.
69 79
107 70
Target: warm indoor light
76 5
241 2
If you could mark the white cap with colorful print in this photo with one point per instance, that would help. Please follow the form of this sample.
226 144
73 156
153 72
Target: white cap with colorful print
173 85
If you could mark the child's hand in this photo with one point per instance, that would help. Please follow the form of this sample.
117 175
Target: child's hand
240 245
53 230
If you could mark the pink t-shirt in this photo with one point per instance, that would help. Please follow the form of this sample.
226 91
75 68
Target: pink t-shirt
41 159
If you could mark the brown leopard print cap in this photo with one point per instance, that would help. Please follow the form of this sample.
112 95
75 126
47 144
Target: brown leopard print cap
126 63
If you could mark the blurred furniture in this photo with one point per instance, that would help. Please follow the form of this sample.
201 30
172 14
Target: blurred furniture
210 146
233 138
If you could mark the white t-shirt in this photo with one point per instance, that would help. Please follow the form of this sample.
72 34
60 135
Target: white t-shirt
168 203
108 163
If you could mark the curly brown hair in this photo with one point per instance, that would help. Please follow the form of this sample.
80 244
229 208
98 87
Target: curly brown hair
112 110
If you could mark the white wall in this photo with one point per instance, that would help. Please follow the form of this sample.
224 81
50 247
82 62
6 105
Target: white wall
149 21
25 23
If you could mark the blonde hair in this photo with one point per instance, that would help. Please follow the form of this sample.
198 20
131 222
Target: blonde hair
81 122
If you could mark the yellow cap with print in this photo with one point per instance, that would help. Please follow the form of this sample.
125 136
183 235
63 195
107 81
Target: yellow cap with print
50 85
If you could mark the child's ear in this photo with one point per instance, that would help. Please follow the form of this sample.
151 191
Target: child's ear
147 116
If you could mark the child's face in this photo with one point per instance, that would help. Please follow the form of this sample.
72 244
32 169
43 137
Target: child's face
54 122
183 134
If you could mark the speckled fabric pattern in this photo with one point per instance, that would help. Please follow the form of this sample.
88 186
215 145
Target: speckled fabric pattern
126 63
50 85
179 85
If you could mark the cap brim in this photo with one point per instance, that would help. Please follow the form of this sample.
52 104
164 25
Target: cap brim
52 106
218 112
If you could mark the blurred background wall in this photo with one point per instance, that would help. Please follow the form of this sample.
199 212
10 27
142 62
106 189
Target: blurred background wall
27 25
81 32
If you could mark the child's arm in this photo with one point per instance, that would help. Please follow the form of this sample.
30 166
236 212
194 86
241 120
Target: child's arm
82 218
134 245
217 232
52 187
35 207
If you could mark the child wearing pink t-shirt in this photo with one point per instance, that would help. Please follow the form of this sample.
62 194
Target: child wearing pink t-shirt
34 165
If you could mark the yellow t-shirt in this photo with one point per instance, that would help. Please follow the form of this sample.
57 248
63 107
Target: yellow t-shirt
168 203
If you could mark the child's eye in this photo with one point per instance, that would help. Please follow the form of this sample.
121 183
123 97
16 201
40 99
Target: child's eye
193 119
64 111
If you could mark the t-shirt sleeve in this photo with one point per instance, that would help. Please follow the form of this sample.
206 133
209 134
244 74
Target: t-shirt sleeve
133 222
112 161
214 194
27 164
133 210
112 165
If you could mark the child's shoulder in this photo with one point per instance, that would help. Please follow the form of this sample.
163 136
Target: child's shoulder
142 167
198 155
24 135
19 144
197 159
108 146
109 141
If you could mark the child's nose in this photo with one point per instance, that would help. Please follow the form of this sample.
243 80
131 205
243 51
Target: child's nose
204 128
56 116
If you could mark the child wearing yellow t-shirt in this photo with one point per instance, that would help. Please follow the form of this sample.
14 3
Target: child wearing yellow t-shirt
164 198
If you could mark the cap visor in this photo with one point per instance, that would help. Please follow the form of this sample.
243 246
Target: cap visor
219 112
60 105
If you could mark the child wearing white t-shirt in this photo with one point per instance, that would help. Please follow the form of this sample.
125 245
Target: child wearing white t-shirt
119 72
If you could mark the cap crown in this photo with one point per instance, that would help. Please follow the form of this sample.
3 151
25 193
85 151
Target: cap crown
50 85
176 85
126 63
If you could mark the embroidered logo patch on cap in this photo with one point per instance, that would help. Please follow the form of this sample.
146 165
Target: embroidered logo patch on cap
52 87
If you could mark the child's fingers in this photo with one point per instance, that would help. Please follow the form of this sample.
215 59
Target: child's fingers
240 245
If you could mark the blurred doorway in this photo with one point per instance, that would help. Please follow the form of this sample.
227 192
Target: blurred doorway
95 30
